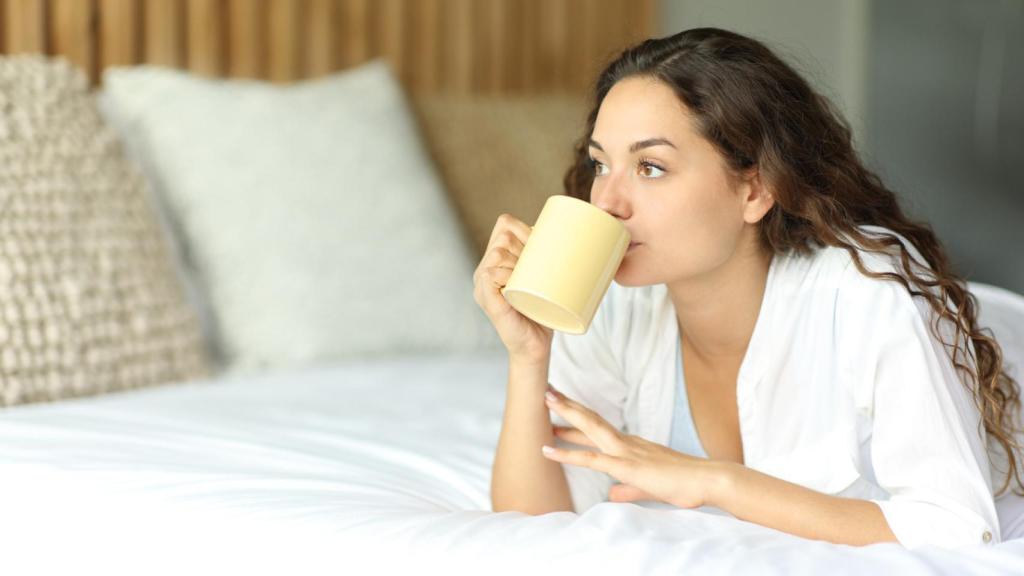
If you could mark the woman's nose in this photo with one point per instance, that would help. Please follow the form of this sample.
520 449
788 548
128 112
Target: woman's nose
611 197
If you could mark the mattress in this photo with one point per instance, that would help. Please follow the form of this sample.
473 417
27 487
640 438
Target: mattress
376 466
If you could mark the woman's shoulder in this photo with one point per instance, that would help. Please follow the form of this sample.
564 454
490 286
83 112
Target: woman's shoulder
824 302
877 294
826 288
835 265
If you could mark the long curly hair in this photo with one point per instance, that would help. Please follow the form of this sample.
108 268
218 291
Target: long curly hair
759 112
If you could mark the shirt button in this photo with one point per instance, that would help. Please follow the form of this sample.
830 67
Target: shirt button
986 537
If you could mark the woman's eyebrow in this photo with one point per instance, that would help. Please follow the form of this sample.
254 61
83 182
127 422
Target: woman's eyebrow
638 145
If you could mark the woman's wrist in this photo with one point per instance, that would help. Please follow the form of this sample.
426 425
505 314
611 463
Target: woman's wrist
529 375
528 362
721 480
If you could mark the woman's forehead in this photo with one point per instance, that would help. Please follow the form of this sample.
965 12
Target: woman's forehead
640 108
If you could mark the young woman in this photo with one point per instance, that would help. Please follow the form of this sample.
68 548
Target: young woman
782 343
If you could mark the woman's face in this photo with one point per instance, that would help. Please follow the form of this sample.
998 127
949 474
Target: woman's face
667 184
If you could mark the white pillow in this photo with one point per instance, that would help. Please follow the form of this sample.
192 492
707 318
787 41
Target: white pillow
310 214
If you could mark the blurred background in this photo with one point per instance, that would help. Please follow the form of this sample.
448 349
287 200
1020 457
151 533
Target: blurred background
932 88
934 91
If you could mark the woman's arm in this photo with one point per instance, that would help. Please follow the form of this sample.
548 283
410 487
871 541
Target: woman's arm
521 478
757 497
928 446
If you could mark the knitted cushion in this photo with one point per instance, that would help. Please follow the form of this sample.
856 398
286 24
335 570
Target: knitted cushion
89 297
500 153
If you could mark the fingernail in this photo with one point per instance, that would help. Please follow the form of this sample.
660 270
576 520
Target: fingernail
550 397
547 449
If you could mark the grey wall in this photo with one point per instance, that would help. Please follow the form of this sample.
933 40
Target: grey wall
934 90
946 124
823 39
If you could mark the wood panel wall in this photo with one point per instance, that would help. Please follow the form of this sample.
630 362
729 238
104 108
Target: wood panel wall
462 46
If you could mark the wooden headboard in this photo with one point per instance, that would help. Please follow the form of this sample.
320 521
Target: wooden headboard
461 46
499 85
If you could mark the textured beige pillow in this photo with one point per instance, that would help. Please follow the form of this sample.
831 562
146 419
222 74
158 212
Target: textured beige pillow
500 153
89 297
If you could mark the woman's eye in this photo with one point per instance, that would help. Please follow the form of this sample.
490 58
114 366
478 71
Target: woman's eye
646 167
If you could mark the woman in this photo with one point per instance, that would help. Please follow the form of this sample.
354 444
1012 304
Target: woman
783 343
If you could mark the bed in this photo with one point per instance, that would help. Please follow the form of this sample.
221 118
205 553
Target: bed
315 471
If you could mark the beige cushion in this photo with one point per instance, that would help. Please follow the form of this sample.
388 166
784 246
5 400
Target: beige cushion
500 153
89 299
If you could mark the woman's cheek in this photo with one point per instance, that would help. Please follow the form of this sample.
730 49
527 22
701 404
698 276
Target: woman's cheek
703 241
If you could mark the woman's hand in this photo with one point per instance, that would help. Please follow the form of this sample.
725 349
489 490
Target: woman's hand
650 471
646 470
524 338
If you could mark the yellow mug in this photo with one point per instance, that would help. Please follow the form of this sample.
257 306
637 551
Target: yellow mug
567 264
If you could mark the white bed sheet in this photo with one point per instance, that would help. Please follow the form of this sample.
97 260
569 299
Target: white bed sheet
369 467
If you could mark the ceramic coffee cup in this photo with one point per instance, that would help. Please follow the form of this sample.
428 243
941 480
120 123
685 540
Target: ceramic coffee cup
569 260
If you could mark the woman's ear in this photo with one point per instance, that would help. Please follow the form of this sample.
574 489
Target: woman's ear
756 195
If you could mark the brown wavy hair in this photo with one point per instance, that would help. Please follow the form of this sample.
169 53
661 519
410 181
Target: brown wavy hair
759 112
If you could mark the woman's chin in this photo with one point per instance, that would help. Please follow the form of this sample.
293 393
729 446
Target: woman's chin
627 275
637 272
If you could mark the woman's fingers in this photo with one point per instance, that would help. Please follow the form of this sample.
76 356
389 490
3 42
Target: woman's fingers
515 244
573 435
500 256
486 291
509 231
498 275
590 423
593 459
627 493
504 247
520 229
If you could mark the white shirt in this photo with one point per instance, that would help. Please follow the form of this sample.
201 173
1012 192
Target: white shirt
843 390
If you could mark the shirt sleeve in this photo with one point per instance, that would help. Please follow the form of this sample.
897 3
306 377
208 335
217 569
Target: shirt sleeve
927 444
583 368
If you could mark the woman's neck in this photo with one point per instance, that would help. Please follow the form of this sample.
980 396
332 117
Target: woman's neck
718 310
